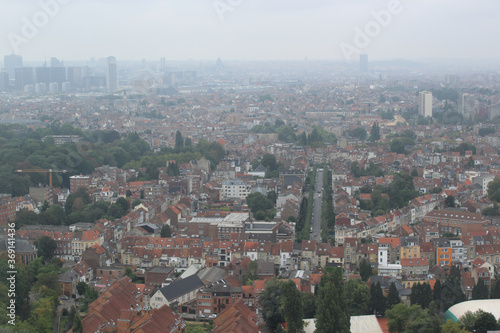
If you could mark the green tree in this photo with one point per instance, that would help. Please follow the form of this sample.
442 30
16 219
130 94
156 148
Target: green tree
365 270
451 327
468 320
42 316
378 302
286 134
436 293
357 295
179 140
465 146
257 202
485 321
81 287
165 231
494 189
270 303
480 290
309 305
195 329
77 325
331 312
46 247
495 290
26 217
393 296
421 294
359 133
375 132
131 275
123 203
449 201
398 316
292 307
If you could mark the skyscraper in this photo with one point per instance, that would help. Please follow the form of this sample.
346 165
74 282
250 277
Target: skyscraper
75 77
58 75
24 77
4 81
42 75
111 74
54 62
11 62
467 106
425 103
363 63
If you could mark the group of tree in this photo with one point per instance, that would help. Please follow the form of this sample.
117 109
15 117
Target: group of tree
465 146
375 132
327 210
494 195
372 170
303 224
414 319
285 133
421 294
395 195
24 148
358 133
37 294
317 138
281 302
212 151
486 131
400 145
78 208
262 206
479 321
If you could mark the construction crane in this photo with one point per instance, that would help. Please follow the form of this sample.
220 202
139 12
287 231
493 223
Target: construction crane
49 171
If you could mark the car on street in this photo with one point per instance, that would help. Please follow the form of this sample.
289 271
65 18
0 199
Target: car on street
212 316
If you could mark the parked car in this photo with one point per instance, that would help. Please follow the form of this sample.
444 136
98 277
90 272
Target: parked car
212 316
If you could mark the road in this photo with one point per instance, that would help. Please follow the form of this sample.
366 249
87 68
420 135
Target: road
318 201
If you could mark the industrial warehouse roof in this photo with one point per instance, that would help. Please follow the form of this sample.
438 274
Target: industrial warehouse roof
488 305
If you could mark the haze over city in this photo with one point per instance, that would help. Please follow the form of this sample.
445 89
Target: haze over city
254 30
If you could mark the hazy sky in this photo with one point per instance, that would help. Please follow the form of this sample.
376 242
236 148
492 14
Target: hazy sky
251 29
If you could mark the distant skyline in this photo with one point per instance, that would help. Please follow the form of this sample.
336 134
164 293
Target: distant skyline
250 29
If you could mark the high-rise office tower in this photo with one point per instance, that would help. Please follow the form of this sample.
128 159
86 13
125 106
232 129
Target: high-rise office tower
425 103
363 63
24 77
162 64
111 74
11 62
4 81
58 75
467 106
54 62
42 75
75 77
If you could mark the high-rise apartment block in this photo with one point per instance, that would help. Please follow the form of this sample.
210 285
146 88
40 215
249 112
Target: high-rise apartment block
425 103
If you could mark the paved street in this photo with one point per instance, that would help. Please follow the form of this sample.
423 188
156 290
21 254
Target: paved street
318 200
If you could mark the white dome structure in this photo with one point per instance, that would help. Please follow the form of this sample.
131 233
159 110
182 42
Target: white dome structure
487 305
